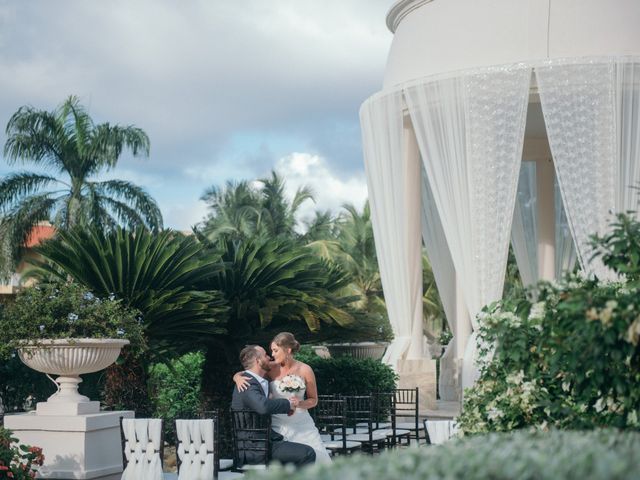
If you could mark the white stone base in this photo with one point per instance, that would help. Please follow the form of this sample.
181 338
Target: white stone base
74 446
419 373
65 409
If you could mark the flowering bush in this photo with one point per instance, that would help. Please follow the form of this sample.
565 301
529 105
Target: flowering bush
17 462
65 310
571 359
521 455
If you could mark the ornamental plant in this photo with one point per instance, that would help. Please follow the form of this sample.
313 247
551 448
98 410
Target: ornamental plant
65 311
18 462
571 358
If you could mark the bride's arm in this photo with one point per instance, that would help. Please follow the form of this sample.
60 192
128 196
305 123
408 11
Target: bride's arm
242 382
312 389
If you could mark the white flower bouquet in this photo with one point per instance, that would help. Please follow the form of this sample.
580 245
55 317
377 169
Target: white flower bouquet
291 384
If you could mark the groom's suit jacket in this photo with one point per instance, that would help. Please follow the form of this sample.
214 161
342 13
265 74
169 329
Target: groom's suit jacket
253 398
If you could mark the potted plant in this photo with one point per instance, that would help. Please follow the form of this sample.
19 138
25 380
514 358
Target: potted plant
18 461
63 329
368 338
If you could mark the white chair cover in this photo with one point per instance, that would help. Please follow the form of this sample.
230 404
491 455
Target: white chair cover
143 437
196 449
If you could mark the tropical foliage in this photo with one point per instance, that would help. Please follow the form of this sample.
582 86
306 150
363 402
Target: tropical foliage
158 273
18 461
65 310
523 455
67 142
569 360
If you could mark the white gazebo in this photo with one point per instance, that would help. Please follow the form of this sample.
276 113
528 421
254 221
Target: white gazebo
500 121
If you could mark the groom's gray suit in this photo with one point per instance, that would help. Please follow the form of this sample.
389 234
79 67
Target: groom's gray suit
254 398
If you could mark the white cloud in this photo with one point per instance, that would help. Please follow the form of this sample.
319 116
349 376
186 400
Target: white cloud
330 189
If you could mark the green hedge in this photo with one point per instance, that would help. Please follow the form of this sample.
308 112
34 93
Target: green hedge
348 376
522 455
175 388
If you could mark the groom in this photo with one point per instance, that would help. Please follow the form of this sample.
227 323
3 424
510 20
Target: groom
255 361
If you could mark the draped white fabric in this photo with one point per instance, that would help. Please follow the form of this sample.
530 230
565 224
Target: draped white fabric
565 260
387 172
524 232
142 448
444 273
578 107
470 130
627 116
195 449
524 236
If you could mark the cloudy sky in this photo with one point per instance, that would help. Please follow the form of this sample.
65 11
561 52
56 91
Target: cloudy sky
226 89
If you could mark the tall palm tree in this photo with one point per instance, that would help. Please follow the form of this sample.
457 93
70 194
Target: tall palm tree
280 213
240 211
235 211
68 142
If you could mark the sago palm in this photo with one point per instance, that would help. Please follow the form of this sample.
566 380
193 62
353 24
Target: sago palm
157 273
67 143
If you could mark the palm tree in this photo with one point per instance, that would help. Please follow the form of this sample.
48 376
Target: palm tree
280 213
235 211
68 142
241 211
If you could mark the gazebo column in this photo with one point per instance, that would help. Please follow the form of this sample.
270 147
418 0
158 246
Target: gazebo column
537 149
416 370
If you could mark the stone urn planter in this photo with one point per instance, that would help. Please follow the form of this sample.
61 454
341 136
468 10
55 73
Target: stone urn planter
68 359
374 350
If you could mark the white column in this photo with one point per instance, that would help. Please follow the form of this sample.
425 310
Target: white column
545 177
413 203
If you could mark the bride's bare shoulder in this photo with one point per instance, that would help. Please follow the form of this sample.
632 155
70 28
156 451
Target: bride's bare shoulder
304 369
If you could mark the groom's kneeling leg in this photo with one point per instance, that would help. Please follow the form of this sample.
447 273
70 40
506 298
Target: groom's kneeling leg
290 452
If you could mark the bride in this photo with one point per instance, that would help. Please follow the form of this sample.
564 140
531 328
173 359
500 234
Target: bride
289 377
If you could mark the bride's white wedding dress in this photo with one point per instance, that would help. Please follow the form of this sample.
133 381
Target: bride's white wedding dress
298 427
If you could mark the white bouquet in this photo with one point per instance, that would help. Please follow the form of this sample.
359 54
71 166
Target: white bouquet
291 384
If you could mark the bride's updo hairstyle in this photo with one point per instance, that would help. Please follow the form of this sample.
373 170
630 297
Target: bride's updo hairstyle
286 340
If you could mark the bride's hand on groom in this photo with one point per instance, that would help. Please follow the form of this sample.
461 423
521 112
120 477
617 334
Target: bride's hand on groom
242 382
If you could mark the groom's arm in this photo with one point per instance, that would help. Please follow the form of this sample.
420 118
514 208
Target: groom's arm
254 399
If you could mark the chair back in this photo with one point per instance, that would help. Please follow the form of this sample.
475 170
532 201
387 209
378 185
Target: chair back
406 404
331 418
196 450
143 448
359 410
251 438
385 410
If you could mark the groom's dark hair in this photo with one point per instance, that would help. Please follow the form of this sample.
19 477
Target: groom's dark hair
248 356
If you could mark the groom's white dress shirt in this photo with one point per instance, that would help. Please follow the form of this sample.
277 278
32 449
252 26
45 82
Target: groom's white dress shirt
264 383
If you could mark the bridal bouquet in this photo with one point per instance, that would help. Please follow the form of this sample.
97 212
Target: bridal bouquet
291 384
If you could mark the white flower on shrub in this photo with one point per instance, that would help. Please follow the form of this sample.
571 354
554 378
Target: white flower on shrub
632 418
495 414
566 386
599 405
607 312
537 311
633 332
515 378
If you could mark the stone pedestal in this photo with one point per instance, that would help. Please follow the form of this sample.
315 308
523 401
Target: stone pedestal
419 373
74 446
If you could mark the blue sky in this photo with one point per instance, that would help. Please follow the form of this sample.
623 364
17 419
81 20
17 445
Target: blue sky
226 89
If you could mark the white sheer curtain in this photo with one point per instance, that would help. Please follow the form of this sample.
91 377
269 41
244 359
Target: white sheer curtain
381 119
445 276
565 260
524 232
470 130
578 107
627 115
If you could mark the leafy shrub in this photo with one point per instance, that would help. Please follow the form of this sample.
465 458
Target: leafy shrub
176 389
65 310
520 455
17 462
348 375
569 360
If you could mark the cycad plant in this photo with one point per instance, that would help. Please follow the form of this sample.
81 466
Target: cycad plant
76 151
157 273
